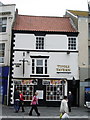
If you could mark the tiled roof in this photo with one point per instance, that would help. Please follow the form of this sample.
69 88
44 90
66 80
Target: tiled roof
79 13
42 23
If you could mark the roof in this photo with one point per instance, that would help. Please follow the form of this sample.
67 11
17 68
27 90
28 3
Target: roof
42 23
79 13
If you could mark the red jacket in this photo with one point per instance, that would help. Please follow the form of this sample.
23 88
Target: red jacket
21 96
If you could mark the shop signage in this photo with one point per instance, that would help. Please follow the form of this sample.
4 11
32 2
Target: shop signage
53 82
63 69
26 82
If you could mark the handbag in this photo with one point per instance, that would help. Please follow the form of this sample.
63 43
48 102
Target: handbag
61 115
65 115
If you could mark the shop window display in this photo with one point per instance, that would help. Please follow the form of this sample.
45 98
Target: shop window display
27 88
54 89
54 92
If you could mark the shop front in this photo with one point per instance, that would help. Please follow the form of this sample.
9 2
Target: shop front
51 91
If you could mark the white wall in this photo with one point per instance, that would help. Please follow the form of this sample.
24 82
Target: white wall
52 42
54 59
24 41
58 42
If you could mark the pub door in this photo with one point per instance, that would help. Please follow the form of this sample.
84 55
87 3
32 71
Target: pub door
74 88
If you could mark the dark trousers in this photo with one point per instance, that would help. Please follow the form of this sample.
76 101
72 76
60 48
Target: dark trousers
21 105
35 108
69 106
16 105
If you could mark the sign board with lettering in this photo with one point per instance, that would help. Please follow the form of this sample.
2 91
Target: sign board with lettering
63 69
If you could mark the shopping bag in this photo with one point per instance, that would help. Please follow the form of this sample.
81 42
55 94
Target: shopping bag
65 115
61 115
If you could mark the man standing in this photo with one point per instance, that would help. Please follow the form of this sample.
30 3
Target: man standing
70 100
16 100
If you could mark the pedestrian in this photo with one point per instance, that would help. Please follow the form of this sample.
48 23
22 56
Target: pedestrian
64 108
16 100
70 100
34 103
21 101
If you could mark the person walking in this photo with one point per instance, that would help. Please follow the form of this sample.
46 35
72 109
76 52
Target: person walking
34 103
64 108
21 101
16 100
70 100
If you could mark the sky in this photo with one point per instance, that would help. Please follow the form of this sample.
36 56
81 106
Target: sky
47 7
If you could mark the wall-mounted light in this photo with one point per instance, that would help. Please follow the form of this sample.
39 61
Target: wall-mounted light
68 52
28 52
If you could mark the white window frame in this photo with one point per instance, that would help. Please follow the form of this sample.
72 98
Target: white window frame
72 43
34 66
39 42
50 96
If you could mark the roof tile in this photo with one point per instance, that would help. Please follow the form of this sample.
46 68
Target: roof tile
42 23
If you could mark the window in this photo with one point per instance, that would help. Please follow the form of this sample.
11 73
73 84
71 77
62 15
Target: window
39 66
89 55
3 24
33 65
27 87
54 92
2 52
72 43
39 42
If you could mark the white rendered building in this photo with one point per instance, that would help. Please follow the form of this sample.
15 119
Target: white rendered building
44 58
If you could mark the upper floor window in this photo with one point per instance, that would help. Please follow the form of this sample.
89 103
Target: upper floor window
39 42
39 66
3 24
2 52
72 43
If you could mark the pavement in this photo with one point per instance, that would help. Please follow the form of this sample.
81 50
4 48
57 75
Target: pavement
49 113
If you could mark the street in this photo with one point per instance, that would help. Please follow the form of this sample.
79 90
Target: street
47 113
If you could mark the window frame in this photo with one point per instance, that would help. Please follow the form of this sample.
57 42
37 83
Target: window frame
43 66
2 56
40 42
72 43
3 24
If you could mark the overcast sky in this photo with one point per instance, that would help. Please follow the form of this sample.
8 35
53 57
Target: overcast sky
47 7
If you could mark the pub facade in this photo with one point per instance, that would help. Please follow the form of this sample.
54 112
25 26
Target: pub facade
44 58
